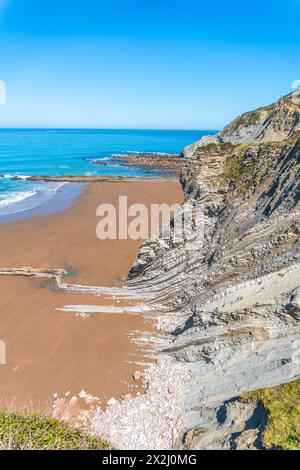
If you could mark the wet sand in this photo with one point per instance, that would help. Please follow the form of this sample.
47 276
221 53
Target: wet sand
48 351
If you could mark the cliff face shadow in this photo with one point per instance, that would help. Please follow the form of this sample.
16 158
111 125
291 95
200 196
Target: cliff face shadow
258 421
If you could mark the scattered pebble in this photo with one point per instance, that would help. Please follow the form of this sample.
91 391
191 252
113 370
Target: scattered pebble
172 389
127 397
137 375
89 400
112 402
73 406
82 315
151 421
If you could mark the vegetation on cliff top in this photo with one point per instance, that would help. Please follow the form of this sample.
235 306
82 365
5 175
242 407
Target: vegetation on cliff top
247 119
282 403
20 431
248 165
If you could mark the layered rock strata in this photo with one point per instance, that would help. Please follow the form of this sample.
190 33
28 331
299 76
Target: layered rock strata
231 304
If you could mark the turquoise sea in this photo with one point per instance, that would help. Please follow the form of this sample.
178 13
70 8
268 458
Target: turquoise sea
26 152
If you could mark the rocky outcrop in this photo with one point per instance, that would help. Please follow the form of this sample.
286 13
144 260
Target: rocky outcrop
231 304
271 123
153 163
80 178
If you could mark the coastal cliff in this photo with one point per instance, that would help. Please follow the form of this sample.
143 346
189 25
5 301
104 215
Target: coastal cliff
231 307
270 123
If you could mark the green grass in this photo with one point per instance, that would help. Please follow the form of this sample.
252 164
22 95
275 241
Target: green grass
20 431
244 171
224 147
282 403
248 119
240 173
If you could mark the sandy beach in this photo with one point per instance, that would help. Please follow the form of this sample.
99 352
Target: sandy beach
49 351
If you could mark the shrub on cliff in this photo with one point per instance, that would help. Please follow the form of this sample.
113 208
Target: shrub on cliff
21 431
282 403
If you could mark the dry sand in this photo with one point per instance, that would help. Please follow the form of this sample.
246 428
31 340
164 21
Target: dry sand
54 352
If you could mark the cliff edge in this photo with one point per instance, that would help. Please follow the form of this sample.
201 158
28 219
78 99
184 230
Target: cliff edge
231 305
270 123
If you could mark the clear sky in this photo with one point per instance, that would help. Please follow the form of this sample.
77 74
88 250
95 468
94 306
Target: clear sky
173 64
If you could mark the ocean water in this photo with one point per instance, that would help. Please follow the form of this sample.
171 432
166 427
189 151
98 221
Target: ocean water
26 152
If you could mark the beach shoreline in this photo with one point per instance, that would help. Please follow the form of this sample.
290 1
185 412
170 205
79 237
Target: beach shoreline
63 198
50 351
69 190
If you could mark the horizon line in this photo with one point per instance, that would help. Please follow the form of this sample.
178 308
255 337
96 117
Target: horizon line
109 129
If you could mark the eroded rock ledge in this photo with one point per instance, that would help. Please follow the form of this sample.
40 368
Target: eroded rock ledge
154 163
232 306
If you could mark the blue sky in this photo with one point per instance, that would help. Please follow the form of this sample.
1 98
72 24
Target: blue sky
169 64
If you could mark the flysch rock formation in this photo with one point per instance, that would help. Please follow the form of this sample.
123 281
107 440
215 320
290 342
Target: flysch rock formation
270 123
230 299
